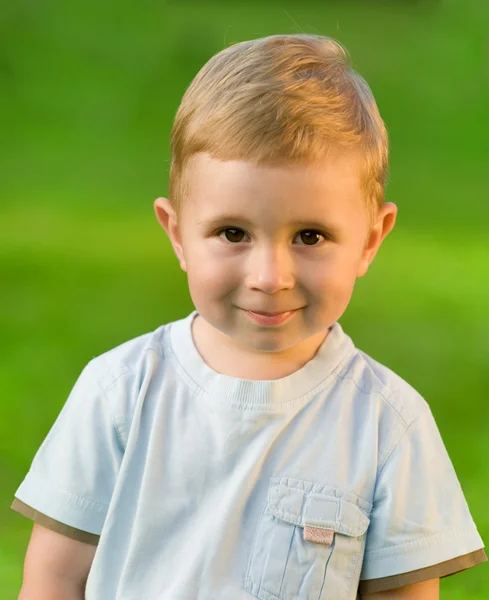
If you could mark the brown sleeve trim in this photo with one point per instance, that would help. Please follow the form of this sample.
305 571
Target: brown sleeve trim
49 523
443 569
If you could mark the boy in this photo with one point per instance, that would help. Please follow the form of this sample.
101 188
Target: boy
249 450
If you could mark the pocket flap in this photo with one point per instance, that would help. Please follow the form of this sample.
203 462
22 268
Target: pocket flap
313 509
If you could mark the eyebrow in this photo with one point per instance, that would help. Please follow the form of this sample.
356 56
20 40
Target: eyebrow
221 220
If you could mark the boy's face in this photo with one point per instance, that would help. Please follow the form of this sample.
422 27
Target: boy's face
248 240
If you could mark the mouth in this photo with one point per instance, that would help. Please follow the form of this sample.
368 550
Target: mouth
270 319
271 314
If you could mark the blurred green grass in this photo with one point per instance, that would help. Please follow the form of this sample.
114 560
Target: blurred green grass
88 96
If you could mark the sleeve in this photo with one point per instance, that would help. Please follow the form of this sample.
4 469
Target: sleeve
73 473
420 517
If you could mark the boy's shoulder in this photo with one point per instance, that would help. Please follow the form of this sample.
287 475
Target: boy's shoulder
129 357
376 380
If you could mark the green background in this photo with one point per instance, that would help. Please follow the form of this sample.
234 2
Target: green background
89 92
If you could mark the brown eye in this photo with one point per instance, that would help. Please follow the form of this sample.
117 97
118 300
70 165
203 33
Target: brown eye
310 237
231 237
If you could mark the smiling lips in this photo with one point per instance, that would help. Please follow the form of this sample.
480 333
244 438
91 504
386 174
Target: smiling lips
272 314
268 320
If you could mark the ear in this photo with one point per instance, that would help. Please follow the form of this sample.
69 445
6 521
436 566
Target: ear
167 218
384 223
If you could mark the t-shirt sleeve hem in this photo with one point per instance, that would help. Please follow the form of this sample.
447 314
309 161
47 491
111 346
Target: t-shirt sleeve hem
65 507
42 519
420 554
440 570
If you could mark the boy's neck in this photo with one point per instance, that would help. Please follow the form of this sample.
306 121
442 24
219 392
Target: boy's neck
225 358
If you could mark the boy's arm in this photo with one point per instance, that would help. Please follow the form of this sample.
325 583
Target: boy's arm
425 590
52 590
56 567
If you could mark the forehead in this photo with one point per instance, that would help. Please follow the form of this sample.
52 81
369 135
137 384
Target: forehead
288 191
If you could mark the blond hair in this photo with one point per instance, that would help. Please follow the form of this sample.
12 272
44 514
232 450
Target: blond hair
276 99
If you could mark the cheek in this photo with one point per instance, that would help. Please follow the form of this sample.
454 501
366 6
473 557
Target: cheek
207 273
336 271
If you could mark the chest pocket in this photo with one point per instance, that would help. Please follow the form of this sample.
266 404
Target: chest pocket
308 543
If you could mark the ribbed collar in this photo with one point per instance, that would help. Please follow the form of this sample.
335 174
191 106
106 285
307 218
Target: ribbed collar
256 394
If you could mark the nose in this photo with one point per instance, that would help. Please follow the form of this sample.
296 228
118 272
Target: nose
270 269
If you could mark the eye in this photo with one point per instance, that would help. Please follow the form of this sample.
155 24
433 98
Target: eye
234 233
309 236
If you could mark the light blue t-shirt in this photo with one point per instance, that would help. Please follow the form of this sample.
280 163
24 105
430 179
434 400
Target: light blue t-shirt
209 487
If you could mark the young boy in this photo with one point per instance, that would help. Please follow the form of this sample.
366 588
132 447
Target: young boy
250 450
